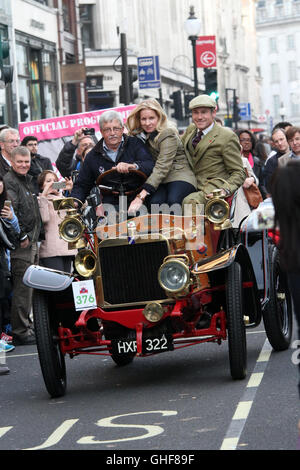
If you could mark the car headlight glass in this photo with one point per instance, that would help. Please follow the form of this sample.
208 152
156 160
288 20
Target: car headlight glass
71 230
174 276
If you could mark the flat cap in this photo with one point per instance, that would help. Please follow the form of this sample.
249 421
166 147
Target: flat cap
202 101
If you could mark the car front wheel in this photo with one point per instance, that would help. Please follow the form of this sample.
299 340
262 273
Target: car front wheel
51 358
235 322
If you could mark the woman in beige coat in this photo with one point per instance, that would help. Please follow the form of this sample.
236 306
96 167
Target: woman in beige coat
53 252
172 178
242 208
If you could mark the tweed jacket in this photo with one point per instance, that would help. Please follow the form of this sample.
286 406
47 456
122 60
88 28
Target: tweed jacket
216 160
171 163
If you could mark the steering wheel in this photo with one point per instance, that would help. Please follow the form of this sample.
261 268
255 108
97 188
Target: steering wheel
123 184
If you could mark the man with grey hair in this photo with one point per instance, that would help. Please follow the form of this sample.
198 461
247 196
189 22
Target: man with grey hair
116 150
70 156
9 139
25 205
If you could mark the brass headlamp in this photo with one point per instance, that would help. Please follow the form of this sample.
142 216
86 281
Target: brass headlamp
71 228
217 210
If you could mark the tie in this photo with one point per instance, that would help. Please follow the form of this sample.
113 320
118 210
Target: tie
197 139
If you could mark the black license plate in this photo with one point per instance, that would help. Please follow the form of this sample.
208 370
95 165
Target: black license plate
149 345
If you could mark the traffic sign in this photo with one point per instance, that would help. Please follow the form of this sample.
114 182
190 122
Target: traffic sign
262 118
206 52
245 111
149 72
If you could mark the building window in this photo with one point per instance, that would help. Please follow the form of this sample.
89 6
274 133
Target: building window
295 108
275 75
272 45
86 21
66 16
37 82
292 67
5 99
290 42
276 106
261 4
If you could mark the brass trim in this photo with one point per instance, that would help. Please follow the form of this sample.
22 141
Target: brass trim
105 305
218 261
186 285
145 238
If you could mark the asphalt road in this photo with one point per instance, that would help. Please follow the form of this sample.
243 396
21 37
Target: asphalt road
177 401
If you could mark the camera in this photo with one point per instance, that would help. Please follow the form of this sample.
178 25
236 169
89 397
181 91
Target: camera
59 185
74 175
90 131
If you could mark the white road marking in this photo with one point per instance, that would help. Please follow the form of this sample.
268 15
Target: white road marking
57 435
10 356
243 408
5 430
151 430
255 379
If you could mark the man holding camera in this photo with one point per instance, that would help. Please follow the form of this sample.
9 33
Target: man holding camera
116 150
66 162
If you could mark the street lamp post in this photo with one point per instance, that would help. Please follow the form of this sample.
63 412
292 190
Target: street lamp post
193 27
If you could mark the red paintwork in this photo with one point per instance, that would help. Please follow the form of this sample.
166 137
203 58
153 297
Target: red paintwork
74 344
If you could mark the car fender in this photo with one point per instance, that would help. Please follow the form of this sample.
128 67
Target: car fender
221 262
46 279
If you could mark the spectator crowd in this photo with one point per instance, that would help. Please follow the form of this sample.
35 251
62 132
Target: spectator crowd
179 169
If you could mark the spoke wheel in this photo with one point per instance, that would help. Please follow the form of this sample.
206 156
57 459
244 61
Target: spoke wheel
235 323
51 359
278 313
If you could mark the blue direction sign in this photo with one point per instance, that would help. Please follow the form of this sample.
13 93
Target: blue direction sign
149 72
245 111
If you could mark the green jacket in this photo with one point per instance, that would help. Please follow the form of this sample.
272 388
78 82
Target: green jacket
171 163
216 161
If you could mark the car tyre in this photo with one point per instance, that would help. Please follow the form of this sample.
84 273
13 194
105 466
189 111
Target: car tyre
51 359
278 313
115 334
235 322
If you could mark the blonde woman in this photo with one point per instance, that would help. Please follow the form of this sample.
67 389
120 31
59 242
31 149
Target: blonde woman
172 178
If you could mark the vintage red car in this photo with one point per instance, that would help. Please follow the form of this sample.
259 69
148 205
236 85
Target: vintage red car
158 283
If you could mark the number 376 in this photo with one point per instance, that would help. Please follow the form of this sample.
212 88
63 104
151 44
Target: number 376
84 298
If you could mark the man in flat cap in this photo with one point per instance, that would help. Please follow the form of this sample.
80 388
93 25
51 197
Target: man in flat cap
214 152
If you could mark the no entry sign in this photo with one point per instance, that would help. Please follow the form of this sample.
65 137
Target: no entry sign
206 52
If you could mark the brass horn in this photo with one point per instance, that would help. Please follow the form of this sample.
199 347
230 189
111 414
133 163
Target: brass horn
65 203
85 263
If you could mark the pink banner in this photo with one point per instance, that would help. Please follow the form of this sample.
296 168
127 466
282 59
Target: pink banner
64 126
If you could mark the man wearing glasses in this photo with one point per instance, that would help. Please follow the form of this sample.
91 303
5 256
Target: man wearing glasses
115 150
9 139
